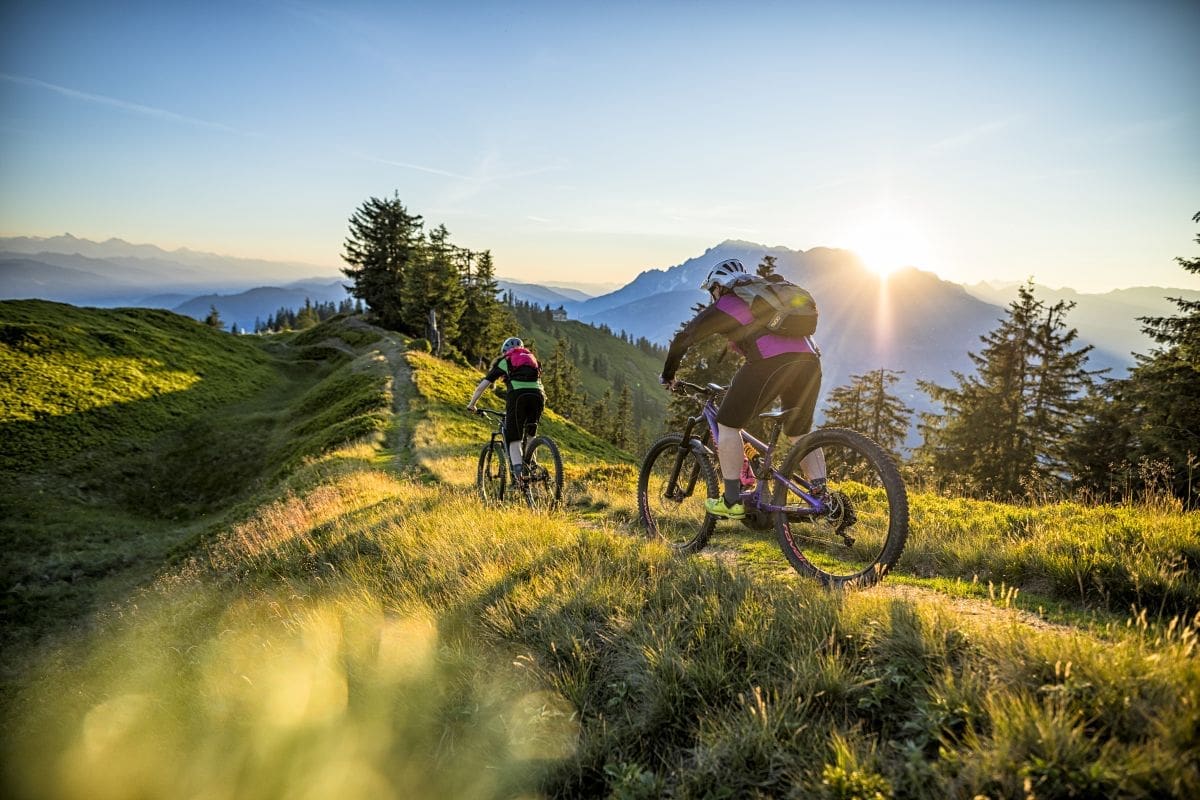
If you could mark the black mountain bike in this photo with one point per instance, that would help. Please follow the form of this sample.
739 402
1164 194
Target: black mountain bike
848 533
542 482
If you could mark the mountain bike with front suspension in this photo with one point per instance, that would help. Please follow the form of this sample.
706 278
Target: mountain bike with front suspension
542 482
847 533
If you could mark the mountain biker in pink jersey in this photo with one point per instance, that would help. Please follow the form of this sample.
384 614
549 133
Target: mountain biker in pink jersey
788 368
526 399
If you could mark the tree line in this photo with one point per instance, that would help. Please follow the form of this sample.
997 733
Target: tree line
403 272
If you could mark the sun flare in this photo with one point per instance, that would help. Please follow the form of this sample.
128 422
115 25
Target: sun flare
887 243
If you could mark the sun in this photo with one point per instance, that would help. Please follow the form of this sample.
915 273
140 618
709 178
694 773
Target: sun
886 243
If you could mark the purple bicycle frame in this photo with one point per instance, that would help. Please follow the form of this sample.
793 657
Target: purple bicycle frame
753 499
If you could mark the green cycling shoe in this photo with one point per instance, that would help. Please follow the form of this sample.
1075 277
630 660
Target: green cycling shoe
716 506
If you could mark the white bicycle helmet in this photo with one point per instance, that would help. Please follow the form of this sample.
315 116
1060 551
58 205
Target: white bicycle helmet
510 343
724 274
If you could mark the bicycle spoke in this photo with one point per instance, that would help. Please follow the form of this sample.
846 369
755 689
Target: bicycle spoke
492 474
858 532
543 478
671 494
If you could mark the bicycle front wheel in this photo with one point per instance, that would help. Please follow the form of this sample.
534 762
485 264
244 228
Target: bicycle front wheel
543 474
491 477
672 486
859 531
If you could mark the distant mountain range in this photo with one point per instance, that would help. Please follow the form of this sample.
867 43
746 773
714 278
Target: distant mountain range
153 266
116 273
914 321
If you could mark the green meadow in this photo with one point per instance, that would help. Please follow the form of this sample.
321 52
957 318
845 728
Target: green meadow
257 567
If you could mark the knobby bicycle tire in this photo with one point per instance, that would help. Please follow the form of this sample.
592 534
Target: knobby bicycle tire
675 513
860 538
491 475
543 474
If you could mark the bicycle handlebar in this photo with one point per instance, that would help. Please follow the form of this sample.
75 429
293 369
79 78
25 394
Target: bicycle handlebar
481 411
683 387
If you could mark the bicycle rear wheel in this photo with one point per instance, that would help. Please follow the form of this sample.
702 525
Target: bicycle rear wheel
543 474
492 475
670 500
861 531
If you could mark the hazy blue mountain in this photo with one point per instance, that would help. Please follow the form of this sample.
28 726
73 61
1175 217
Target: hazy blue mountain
29 278
167 301
541 295
261 302
165 267
1108 320
585 288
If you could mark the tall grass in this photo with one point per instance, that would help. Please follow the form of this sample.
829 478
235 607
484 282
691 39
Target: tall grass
384 637
1117 557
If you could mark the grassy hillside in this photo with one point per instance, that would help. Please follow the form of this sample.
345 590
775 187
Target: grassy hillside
127 433
637 368
77 379
364 627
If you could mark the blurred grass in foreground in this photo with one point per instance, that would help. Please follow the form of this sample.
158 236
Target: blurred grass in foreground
370 636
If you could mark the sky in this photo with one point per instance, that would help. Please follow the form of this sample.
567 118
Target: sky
591 141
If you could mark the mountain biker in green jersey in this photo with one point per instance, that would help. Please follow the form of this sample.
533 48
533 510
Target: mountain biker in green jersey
784 367
526 399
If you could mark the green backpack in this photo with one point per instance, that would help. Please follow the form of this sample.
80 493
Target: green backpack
778 306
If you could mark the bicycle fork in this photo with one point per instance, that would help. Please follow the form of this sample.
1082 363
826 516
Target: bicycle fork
673 489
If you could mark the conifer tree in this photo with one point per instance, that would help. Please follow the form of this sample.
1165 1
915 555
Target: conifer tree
600 419
213 320
307 317
560 377
1011 421
766 267
433 282
485 321
867 406
383 242
1151 416
622 432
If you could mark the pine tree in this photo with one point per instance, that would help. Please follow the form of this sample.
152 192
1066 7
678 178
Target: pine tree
621 432
307 316
485 320
867 406
1010 422
213 320
766 267
1150 418
560 377
432 281
383 242
600 420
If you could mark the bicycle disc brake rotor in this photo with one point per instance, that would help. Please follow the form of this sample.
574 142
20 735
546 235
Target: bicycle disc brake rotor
841 515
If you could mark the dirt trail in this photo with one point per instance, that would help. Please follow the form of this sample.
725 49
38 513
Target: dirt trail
968 608
972 608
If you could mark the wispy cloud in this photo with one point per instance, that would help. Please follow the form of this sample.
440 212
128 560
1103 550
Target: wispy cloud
388 162
970 136
124 105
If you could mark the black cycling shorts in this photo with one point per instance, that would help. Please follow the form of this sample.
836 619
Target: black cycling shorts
523 409
795 378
